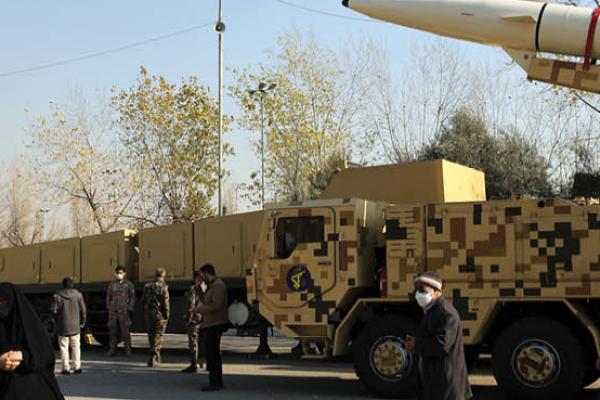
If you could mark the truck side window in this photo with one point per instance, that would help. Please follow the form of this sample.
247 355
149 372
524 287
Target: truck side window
292 231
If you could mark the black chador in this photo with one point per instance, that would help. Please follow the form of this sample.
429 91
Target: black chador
22 330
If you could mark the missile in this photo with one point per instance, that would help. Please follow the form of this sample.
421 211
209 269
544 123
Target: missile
523 28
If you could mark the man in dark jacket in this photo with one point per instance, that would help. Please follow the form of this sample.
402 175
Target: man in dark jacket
68 308
439 346
213 308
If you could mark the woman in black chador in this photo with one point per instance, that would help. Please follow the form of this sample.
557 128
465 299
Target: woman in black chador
26 355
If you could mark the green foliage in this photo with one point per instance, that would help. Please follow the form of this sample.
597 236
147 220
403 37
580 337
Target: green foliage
511 164
308 117
170 133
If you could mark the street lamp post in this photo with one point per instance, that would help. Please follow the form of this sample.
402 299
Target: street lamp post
262 89
43 212
220 29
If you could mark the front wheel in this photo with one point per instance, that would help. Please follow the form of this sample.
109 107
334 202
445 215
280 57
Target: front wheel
538 358
382 362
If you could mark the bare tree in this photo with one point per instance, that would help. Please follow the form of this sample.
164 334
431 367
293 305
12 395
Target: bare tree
410 108
77 161
23 218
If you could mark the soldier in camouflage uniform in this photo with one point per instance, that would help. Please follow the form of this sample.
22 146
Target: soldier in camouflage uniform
193 321
120 302
156 310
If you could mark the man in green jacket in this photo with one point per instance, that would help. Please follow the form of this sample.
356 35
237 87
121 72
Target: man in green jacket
213 308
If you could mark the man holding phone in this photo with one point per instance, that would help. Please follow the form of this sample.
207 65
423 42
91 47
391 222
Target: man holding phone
438 347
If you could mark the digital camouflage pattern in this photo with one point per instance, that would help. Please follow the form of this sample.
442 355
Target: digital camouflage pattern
156 311
495 251
565 73
120 302
300 293
488 252
193 322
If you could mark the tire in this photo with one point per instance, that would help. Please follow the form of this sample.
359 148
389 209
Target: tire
556 370
591 376
382 335
471 357
102 339
50 327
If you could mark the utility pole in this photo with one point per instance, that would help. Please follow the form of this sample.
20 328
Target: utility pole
262 89
220 29
43 233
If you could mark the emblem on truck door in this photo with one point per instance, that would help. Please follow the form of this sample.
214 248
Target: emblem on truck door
298 278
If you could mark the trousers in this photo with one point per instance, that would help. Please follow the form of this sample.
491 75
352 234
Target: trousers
195 342
156 330
118 329
212 344
72 343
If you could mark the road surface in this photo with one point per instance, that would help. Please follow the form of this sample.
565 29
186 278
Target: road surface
122 378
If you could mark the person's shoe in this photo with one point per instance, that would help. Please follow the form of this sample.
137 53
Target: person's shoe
193 368
111 352
65 372
211 388
78 371
128 351
201 364
151 362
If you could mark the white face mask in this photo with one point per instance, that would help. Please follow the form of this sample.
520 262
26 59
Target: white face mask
119 277
424 299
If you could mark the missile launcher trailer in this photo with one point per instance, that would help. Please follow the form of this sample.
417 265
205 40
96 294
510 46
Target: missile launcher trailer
337 274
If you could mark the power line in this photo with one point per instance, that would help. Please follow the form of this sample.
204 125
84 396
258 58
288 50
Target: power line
330 14
103 52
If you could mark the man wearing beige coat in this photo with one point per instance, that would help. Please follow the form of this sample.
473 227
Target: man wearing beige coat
213 308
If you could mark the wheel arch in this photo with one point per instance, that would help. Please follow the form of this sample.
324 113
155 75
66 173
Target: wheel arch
365 311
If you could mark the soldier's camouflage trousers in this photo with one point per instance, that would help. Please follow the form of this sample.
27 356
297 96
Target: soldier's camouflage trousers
195 343
118 329
156 330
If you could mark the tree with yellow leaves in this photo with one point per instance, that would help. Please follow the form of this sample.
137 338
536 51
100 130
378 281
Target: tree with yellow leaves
310 117
170 134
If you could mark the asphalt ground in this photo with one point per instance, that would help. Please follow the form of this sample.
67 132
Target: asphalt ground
286 377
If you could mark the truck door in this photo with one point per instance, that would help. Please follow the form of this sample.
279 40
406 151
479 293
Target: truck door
301 262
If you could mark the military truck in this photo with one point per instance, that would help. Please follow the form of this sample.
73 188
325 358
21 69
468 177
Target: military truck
524 276
337 273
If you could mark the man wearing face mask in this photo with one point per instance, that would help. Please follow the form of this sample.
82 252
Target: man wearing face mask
438 347
120 302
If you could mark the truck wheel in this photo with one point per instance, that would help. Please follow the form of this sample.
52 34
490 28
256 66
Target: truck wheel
591 376
538 358
380 359
101 338
471 357
50 325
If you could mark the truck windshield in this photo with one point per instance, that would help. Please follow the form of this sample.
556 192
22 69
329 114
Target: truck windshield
292 231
